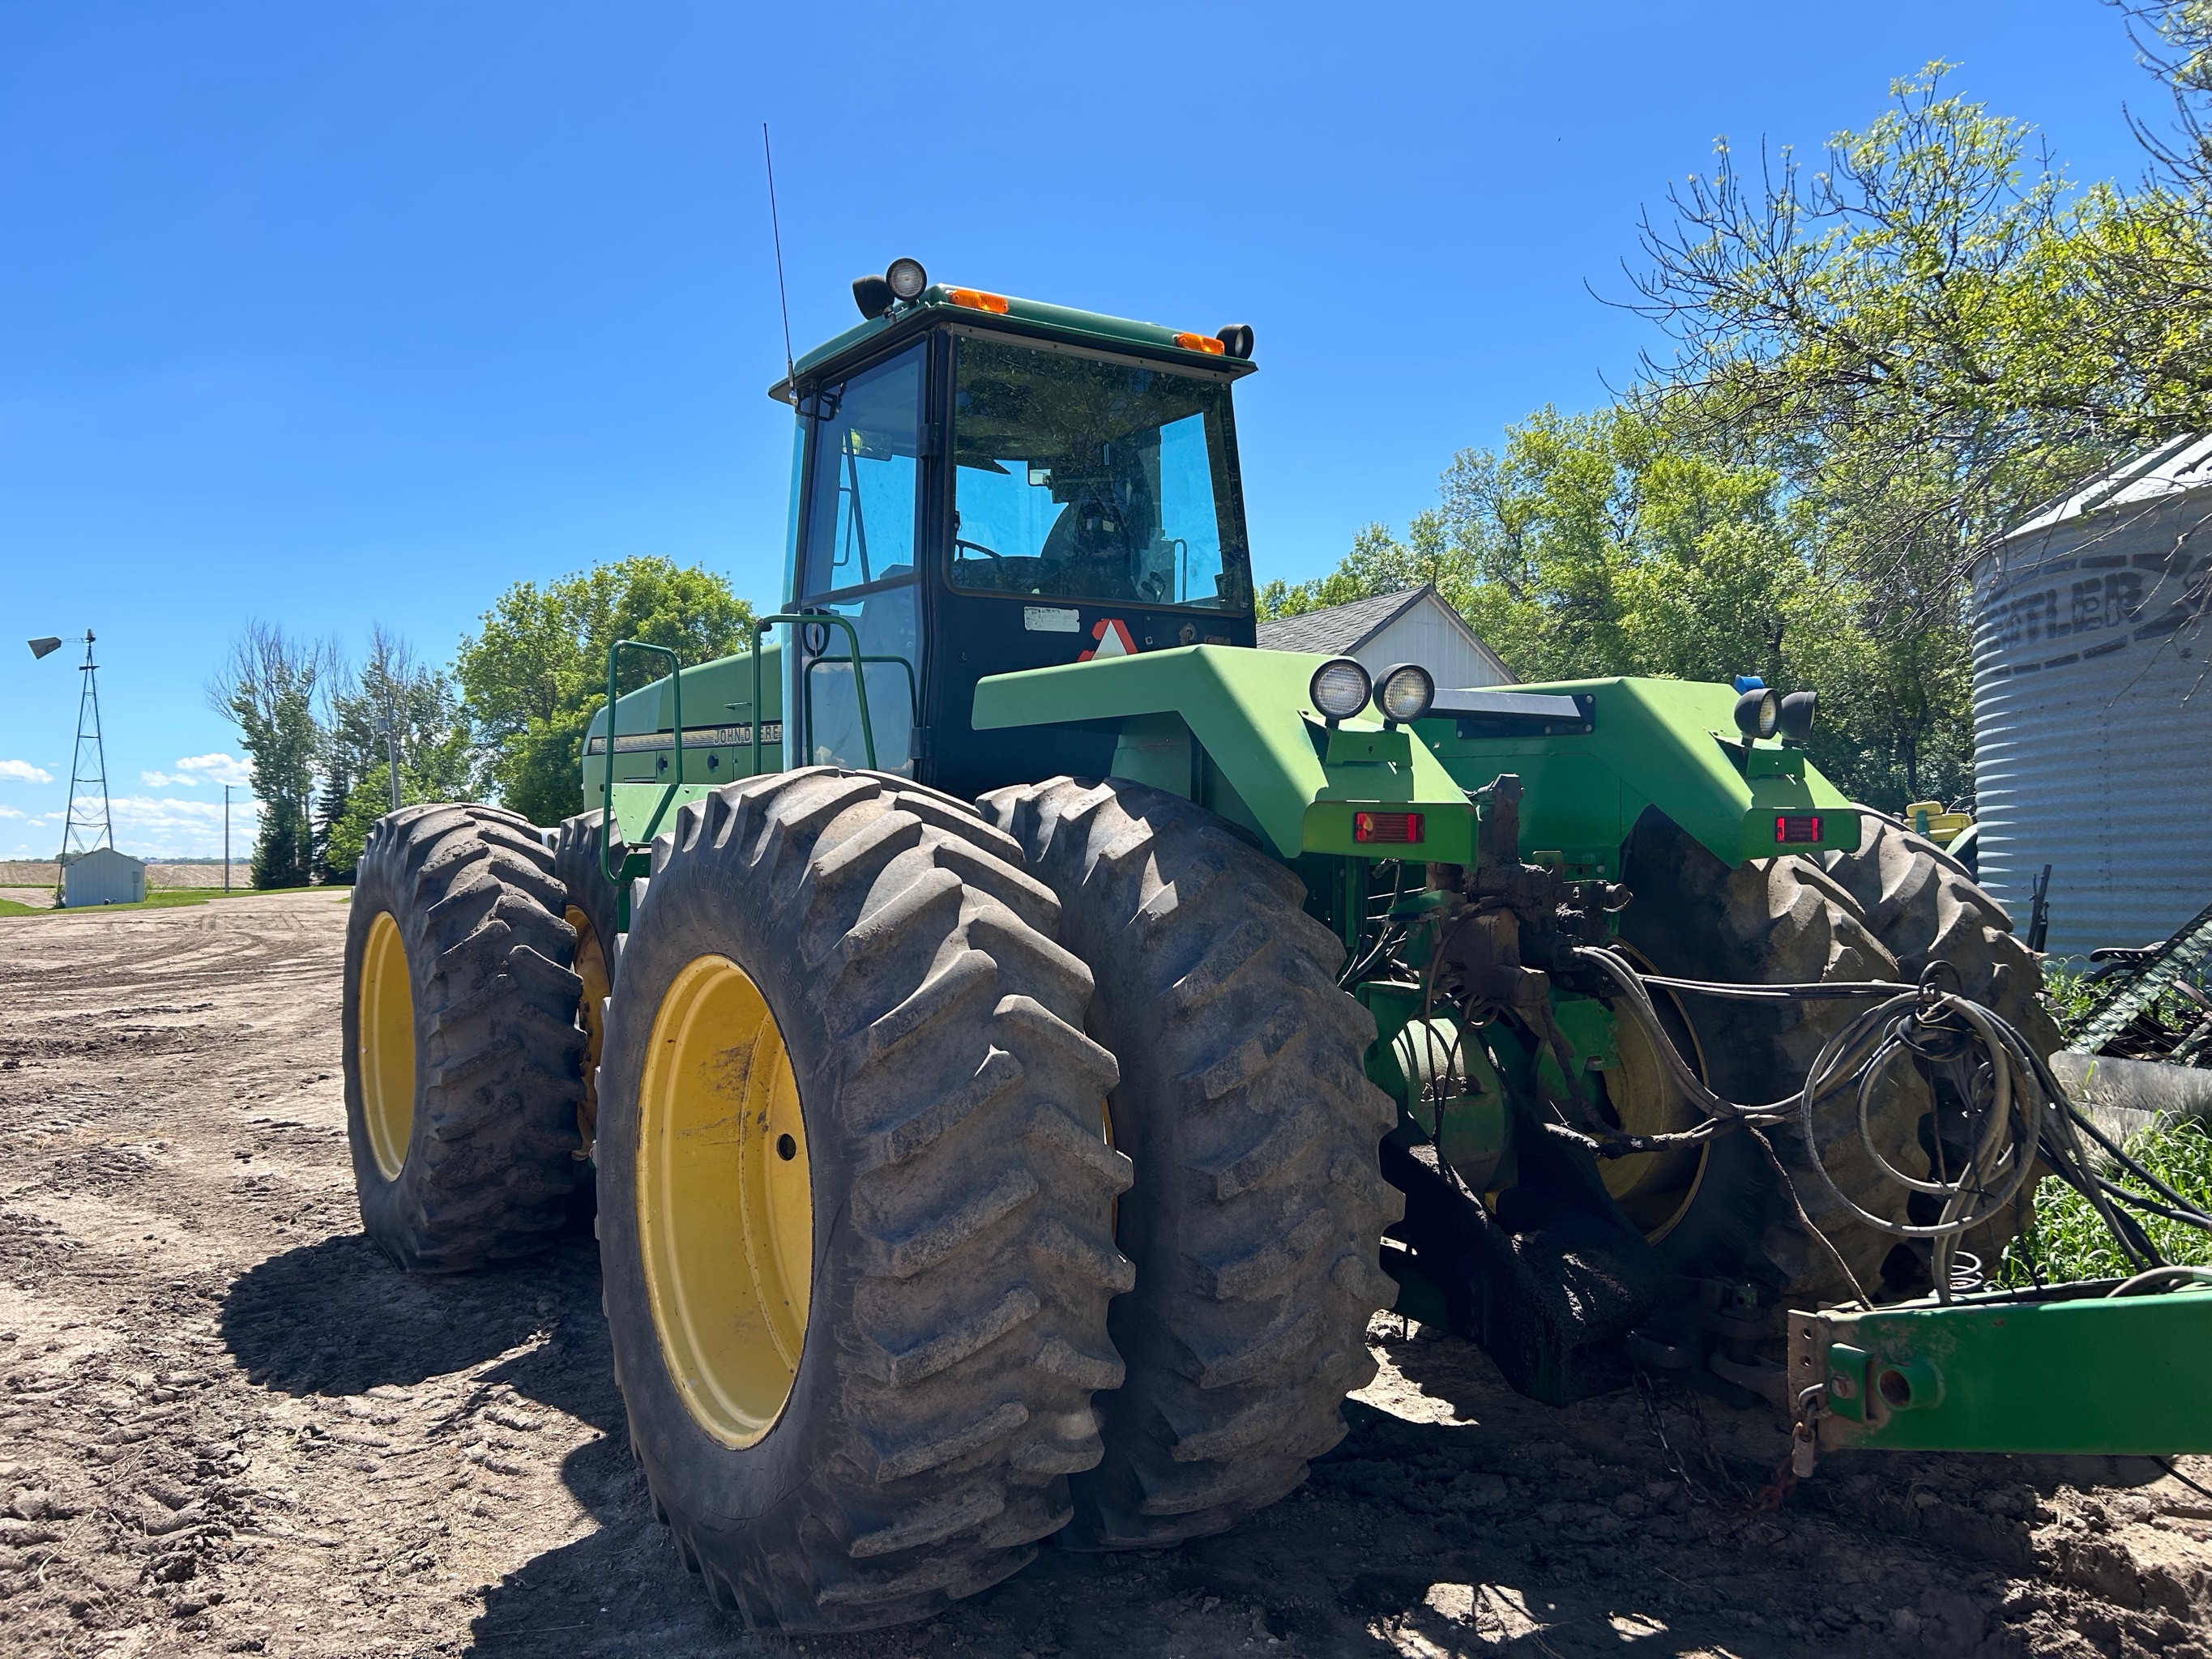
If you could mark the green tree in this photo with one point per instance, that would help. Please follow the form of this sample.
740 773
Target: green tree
536 669
1932 333
1610 542
433 735
268 685
1877 366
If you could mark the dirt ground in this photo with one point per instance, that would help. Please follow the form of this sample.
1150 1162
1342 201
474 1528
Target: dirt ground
227 1426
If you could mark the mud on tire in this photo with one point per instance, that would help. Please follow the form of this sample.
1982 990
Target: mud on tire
490 1145
1259 1203
1883 912
961 1196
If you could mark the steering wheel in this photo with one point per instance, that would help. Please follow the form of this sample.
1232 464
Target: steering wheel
988 552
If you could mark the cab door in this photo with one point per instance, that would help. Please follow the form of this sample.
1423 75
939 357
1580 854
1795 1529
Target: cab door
863 507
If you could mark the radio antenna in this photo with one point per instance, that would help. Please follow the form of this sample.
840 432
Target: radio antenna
790 368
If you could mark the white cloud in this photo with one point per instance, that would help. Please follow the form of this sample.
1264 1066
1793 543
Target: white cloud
24 772
217 768
10 813
164 825
165 781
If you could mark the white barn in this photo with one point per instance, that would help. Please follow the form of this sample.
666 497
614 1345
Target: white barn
1416 626
103 876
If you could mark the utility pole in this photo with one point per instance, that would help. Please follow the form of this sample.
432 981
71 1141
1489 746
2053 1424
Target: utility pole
226 838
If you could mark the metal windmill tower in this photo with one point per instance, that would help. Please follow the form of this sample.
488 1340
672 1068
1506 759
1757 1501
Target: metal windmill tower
84 826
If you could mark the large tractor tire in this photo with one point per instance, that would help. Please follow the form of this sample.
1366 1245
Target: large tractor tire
1259 1204
462 1053
856 1202
592 910
1883 912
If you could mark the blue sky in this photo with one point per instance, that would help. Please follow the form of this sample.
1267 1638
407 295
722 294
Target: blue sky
332 314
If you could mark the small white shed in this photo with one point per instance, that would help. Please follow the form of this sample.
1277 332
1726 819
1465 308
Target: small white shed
103 876
1415 626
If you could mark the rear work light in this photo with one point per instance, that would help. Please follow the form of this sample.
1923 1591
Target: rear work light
1796 830
976 299
1205 343
1398 829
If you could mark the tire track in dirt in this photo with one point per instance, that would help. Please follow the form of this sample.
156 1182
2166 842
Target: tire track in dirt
227 1425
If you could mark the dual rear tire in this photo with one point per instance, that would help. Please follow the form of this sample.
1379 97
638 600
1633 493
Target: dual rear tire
864 1161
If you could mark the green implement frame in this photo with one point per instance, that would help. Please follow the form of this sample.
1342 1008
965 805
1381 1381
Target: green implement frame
2074 1368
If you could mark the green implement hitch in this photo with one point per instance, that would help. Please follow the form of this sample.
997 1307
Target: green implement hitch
2074 1368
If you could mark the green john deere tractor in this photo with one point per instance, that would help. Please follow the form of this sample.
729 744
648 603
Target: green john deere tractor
1019 1032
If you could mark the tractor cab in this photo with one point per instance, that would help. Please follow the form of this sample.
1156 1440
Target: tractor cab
983 485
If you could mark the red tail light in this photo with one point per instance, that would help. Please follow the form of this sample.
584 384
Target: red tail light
1398 829
1796 830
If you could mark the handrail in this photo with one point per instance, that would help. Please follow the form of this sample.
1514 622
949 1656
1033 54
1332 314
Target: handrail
761 624
913 685
607 782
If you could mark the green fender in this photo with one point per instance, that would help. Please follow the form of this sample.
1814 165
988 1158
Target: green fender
1233 729
1668 743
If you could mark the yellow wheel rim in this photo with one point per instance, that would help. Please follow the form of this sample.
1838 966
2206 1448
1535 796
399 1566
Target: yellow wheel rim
725 1208
592 1015
1654 1190
387 1046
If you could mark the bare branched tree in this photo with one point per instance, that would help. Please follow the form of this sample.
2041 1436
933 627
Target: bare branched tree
268 684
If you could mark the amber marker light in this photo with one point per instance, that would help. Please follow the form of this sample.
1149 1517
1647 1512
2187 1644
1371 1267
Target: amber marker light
1205 343
976 299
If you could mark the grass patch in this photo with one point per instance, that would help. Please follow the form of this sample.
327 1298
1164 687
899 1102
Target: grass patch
160 898
2067 1241
2163 1021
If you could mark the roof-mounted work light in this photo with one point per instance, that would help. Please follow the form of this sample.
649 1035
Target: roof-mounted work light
873 294
1340 688
907 278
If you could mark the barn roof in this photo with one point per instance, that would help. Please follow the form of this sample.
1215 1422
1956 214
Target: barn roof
1339 630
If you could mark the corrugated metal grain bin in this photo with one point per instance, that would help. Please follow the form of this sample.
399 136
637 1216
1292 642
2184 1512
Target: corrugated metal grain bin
103 876
2092 711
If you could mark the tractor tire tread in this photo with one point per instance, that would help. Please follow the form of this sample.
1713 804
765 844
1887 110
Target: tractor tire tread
491 1164
980 1259
1242 1095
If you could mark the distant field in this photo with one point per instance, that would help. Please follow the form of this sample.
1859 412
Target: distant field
20 874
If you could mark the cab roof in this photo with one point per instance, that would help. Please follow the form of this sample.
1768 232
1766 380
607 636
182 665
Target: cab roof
940 302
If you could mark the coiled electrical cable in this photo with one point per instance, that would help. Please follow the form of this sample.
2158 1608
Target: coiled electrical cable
2024 1113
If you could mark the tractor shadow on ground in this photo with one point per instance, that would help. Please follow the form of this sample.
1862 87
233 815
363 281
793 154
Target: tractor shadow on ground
335 1318
1976 1506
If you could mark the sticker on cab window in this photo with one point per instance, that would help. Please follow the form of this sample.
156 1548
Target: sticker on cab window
1051 619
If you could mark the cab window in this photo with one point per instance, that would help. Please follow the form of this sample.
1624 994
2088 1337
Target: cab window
1082 479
